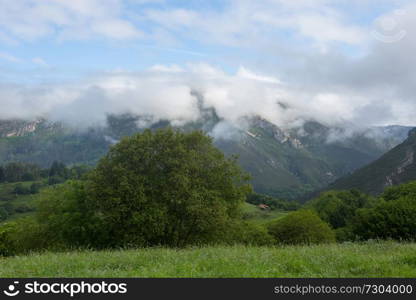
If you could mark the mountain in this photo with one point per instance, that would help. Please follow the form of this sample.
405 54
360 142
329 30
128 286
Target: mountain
286 163
395 167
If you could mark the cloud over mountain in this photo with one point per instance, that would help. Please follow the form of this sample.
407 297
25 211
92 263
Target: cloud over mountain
291 61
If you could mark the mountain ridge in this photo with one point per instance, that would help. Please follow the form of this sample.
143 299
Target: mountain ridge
286 163
395 167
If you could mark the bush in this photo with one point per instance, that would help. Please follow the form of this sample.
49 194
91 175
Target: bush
395 219
22 236
6 246
247 233
23 208
345 234
20 189
67 219
301 227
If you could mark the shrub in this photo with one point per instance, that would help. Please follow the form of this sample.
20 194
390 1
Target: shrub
20 189
24 235
345 234
23 208
67 219
247 233
301 227
6 246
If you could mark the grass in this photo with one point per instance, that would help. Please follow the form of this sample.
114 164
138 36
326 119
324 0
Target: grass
264 217
254 214
373 259
20 205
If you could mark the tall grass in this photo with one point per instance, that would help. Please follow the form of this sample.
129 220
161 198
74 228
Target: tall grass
373 259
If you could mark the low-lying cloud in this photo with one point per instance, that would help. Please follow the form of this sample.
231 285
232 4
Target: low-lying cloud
375 86
168 93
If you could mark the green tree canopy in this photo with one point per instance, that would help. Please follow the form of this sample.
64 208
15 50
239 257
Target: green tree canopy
338 207
399 191
166 188
387 220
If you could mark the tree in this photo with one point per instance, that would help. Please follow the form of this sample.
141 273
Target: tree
394 219
338 207
35 187
301 227
399 191
166 188
17 171
2 175
66 218
58 169
3 214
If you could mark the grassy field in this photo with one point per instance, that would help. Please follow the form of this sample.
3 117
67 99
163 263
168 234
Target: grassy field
16 205
256 215
384 259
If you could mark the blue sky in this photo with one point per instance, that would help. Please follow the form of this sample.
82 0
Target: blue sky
163 41
315 47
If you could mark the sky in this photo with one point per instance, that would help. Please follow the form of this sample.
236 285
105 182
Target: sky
288 61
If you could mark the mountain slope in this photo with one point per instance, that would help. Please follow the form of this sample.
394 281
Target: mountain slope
286 163
395 167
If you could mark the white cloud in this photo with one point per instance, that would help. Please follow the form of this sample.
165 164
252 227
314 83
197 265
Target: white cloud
378 87
165 92
10 58
27 20
40 62
245 73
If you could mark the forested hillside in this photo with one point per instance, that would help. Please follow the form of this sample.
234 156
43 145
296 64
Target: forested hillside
393 168
286 163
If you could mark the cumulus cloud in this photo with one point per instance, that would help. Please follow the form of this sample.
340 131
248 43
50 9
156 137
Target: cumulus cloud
28 20
40 62
318 81
168 92
10 58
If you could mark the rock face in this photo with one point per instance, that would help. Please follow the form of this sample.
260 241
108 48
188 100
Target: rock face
18 128
281 136
395 167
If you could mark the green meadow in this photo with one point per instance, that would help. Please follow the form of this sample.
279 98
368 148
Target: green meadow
370 259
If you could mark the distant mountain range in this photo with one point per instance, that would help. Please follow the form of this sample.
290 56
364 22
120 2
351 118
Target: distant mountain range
286 163
395 167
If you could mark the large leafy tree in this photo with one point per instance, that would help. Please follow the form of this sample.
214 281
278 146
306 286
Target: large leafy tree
338 207
166 188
